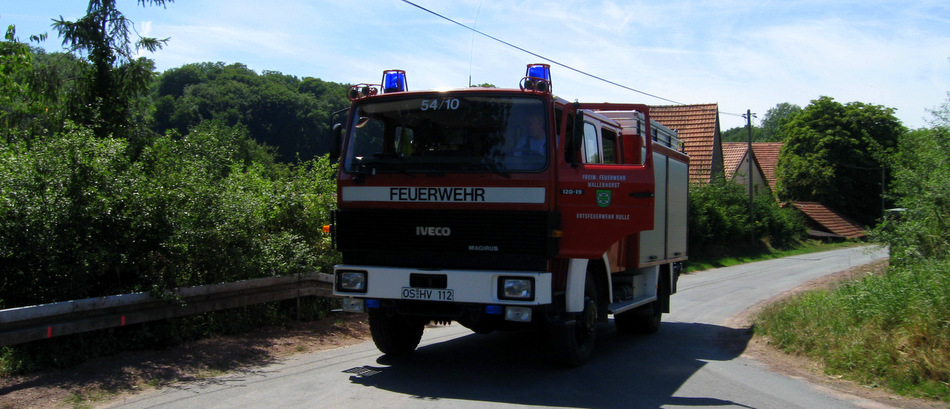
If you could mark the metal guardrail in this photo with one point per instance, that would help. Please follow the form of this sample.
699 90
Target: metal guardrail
25 324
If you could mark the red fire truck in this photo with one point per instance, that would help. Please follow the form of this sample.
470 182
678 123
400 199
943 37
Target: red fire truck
503 209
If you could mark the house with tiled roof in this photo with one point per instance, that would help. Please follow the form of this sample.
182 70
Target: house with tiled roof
698 128
737 162
827 223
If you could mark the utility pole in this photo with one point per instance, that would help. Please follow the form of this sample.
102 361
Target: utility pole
883 208
748 116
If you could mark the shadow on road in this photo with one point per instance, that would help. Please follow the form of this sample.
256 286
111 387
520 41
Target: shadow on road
626 370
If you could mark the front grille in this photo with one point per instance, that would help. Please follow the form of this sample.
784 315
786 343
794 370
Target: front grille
446 238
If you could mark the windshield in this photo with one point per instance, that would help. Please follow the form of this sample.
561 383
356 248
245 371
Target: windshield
448 133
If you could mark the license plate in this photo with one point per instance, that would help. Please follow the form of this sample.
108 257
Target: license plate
410 293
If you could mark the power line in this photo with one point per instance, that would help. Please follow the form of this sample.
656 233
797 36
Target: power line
541 56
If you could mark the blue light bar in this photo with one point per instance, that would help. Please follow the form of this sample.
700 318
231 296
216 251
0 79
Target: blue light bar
539 71
394 81
537 78
493 309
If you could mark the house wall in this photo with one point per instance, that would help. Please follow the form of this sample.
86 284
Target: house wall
759 184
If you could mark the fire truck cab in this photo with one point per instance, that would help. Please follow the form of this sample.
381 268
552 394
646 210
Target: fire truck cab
504 209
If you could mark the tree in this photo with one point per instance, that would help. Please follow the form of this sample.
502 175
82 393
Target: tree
773 120
833 154
770 130
24 95
921 188
741 134
279 110
117 77
15 58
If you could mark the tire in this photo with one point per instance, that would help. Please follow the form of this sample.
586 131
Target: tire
395 335
642 320
573 343
626 322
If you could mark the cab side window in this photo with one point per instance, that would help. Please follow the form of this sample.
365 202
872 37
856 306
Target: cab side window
601 144
609 138
591 146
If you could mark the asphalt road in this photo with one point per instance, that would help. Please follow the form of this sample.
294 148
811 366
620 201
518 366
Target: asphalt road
694 361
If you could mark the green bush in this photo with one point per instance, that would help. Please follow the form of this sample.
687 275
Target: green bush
921 188
65 212
719 221
79 219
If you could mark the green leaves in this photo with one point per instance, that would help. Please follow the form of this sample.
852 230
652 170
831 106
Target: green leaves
719 221
118 77
278 110
79 219
63 212
890 328
921 187
771 129
833 154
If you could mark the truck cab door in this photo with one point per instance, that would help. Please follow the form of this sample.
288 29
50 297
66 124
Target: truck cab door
601 199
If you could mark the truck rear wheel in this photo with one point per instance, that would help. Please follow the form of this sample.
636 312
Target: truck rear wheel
642 320
573 343
395 335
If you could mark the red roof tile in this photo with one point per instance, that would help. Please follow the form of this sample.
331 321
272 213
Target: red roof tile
767 155
698 127
830 220
733 153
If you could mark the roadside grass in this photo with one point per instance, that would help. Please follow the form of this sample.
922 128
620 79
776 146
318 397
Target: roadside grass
701 262
887 330
88 399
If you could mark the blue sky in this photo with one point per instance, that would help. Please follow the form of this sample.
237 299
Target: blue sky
740 54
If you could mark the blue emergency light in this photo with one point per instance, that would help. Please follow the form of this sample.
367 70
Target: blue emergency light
542 71
537 78
394 81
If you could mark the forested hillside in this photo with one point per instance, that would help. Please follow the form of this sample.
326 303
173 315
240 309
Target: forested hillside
279 110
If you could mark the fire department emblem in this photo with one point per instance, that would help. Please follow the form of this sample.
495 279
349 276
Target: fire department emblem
603 198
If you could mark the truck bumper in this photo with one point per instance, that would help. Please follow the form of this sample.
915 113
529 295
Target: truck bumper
444 286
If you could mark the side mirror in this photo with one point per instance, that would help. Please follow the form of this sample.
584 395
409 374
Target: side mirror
336 134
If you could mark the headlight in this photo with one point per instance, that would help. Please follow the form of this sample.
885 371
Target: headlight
516 288
351 281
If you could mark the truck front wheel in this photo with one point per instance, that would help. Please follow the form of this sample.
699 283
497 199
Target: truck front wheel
395 335
573 343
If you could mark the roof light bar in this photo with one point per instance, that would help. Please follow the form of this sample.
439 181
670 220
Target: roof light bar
394 81
537 78
359 91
